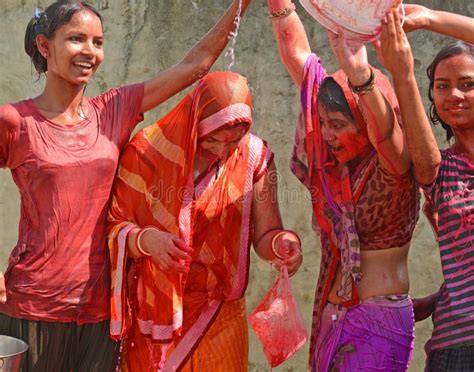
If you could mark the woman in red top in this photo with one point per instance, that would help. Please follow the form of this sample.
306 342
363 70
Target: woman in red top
62 149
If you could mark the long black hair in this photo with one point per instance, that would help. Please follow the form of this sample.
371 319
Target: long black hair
452 49
46 23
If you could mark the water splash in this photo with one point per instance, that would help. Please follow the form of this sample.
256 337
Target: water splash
233 37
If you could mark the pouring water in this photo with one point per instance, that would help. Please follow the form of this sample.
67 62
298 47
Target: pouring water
233 37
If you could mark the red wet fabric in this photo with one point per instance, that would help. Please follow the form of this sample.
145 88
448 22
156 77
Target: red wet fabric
277 322
59 270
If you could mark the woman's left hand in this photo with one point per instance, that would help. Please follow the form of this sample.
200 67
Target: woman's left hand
393 48
416 17
288 246
352 57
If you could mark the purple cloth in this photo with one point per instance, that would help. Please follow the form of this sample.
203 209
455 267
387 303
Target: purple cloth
376 335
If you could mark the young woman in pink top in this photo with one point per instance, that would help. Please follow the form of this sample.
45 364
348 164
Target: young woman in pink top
447 176
62 149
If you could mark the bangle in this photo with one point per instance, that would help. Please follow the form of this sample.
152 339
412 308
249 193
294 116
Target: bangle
282 13
365 88
276 236
137 241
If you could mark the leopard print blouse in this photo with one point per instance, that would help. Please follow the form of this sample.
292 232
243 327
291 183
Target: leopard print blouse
388 209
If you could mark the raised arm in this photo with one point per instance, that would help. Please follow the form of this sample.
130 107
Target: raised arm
395 53
450 24
270 241
195 64
384 132
291 38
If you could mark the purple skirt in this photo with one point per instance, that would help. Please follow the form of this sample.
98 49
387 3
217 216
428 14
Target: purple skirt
376 335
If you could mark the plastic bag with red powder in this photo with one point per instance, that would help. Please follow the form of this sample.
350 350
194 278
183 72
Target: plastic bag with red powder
277 322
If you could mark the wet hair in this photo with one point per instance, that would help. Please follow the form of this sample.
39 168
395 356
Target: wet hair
332 97
47 23
452 49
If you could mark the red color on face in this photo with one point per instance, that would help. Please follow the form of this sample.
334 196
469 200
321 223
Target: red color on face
353 144
342 136
453 91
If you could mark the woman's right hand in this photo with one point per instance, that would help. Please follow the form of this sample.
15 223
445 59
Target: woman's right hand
393 48
3 289
424 307
171 254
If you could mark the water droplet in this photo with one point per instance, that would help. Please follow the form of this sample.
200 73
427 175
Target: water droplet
233 37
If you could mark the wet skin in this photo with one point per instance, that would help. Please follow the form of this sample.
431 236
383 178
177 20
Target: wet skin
384 272
73 55
76 50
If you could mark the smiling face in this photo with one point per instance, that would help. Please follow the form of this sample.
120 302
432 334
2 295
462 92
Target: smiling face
76 49
341 135
453 91
221 142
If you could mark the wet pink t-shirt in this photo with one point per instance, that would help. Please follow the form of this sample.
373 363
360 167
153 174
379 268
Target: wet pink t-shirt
59 270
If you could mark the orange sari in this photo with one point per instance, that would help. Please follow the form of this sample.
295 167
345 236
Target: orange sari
164 317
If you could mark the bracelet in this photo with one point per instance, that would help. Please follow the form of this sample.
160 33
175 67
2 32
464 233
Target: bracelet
282 13
365 88
137 240
276 236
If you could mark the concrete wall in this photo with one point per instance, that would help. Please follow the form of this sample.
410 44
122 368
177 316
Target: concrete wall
146 36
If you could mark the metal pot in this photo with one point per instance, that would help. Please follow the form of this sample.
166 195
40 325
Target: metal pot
12 351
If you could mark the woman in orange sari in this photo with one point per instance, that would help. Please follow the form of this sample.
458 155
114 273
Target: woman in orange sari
193 190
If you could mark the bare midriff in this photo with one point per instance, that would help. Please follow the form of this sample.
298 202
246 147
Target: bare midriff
384 273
